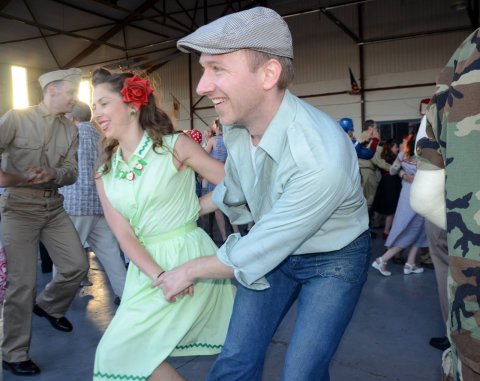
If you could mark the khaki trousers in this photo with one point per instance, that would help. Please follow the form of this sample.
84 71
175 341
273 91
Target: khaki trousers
369 185
28 215
437 238
94 230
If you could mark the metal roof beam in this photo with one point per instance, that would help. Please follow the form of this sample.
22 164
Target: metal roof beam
66 33
78 8
139 16
341 25
413 35
3 3
41 32
52 34
110 33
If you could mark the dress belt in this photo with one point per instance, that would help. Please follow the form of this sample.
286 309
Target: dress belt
177 232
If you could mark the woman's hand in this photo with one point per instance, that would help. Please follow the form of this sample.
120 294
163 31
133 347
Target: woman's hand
408 177
174 283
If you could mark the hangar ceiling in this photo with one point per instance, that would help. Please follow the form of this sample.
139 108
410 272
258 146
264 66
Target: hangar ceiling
142 34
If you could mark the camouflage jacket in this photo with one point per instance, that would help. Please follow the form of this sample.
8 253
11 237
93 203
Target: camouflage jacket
453 130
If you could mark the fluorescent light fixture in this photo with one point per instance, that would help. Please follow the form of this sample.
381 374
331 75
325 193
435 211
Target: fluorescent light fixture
85 92
19 87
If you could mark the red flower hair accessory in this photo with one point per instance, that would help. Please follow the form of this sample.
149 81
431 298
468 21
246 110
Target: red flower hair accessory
136 90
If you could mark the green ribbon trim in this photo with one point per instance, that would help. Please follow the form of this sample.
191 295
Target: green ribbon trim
199 345
119 376
110 376
147 141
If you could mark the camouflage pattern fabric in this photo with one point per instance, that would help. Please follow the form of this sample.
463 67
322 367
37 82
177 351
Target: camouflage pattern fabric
453 128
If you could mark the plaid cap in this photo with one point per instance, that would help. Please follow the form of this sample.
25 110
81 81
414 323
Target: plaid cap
257 28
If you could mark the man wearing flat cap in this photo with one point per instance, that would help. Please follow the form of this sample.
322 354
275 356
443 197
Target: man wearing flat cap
293 171
39 154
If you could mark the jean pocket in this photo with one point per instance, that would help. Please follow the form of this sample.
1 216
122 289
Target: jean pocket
349 263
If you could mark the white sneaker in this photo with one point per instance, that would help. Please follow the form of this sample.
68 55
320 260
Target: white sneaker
380 265
412 269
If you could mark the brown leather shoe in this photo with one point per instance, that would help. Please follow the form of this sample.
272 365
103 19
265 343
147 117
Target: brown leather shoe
62 324
22 368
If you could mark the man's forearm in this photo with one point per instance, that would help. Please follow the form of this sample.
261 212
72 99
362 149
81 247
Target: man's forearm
206 204
12 180
208 267
177 280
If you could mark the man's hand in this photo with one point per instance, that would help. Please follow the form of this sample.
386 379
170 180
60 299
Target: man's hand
40 175
174 283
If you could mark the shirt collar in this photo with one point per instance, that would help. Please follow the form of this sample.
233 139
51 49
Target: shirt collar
42 109
44 112
140 152
275 134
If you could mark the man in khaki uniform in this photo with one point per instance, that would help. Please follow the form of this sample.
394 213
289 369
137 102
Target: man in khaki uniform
39 155
368 168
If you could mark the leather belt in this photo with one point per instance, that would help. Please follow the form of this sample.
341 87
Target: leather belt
38 192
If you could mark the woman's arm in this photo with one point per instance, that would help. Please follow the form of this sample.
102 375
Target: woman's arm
210 144
189 153
126 237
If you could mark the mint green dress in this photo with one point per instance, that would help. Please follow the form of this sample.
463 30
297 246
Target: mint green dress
161 205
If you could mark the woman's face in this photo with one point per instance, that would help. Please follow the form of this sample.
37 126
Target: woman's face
111 113
395 148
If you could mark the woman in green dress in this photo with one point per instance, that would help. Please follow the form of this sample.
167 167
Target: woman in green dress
147 188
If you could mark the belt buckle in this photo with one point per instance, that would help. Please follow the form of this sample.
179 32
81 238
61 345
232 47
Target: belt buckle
48 193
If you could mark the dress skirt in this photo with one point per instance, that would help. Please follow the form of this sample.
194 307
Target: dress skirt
408 227
191 326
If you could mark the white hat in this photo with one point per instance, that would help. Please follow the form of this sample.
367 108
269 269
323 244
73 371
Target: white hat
72 75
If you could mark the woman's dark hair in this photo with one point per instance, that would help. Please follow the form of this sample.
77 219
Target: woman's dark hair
387 153
152 119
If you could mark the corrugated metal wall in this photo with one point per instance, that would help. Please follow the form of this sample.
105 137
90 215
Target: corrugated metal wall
323 54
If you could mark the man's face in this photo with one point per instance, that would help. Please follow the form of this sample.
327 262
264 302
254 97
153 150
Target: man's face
373 131
64 96
236 92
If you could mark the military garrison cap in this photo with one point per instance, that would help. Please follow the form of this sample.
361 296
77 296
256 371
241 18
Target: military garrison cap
72 75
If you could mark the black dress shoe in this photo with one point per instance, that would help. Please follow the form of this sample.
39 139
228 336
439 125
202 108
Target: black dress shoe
441 343
62 324
21 368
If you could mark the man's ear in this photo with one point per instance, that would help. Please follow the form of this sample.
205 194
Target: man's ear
272 71
50 90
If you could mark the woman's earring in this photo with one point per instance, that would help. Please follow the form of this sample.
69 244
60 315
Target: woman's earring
133 112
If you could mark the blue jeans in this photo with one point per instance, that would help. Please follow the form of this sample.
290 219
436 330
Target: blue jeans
327 286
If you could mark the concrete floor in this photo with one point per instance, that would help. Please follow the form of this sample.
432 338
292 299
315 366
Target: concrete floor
387 339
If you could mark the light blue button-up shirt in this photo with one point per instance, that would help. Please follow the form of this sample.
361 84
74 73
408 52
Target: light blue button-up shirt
305 197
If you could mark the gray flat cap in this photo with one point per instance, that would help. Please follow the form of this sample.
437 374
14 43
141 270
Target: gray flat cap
258 28
73 75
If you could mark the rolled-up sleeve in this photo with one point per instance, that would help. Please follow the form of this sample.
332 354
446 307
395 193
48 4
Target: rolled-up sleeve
310 197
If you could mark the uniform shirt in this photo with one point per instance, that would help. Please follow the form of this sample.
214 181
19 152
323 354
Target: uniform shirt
305 196
35 138
81 198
